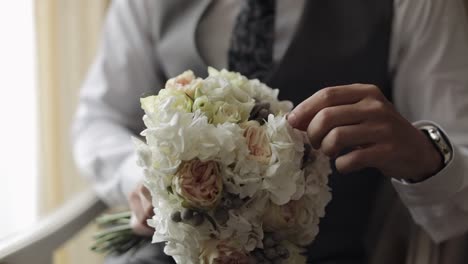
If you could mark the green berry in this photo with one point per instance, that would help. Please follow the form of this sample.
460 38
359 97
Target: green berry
258 254
271 254
277 237
237 203
268 242
286 256
197 219
282 251
221 215
227 203
263 114
187 214
176 217
252 260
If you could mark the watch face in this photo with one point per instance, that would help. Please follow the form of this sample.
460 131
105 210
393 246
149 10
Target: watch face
439 141
433 133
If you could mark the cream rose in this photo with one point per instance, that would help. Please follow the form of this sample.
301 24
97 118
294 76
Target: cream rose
185 82
295 220
199 183
219 252
226 112
170 99
279 217
258 142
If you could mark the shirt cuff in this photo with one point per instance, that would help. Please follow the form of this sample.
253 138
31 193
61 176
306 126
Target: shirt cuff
130 174
437 188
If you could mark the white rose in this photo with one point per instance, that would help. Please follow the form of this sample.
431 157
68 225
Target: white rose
279 217
234 78
221 88
167 100
226 113
307 214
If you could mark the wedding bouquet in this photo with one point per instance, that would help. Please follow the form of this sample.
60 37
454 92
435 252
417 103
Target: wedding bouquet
231 180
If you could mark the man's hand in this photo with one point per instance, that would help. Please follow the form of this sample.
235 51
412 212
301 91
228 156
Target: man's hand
358 126
142 210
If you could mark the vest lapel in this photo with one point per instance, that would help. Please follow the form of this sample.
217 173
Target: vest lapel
275 74
336 42
177 45
339 42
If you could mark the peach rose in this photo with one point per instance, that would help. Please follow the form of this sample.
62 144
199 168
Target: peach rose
257 141
199 183
186 82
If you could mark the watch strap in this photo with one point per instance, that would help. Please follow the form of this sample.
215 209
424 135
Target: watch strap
439 141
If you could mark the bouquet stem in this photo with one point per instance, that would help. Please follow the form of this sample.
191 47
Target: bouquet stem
115 235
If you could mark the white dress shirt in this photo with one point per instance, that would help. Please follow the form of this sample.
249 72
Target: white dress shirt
429 63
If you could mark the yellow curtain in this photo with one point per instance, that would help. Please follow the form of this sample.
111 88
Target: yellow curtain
67 34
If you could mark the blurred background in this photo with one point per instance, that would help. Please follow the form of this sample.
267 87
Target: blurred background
46 48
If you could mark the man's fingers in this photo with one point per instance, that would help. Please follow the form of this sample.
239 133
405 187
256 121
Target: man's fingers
146 205
360 158
146 193
135 205
142 210
348 137
331 117
146 200
301 116
141 207
140 228
140 216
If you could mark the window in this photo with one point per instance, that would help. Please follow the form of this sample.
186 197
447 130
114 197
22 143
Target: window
18 107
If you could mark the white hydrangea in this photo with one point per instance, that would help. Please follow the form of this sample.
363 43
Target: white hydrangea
284 178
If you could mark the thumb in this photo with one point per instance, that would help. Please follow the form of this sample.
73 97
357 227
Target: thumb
139 227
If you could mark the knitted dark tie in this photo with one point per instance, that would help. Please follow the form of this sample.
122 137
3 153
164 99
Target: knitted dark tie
251 50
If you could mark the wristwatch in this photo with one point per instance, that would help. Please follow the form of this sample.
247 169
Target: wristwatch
440 142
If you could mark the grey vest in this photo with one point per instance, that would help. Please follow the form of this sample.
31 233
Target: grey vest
340 42
337 42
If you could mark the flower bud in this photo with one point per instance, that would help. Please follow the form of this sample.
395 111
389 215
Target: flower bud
203 104
197 219
176 217
187 214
